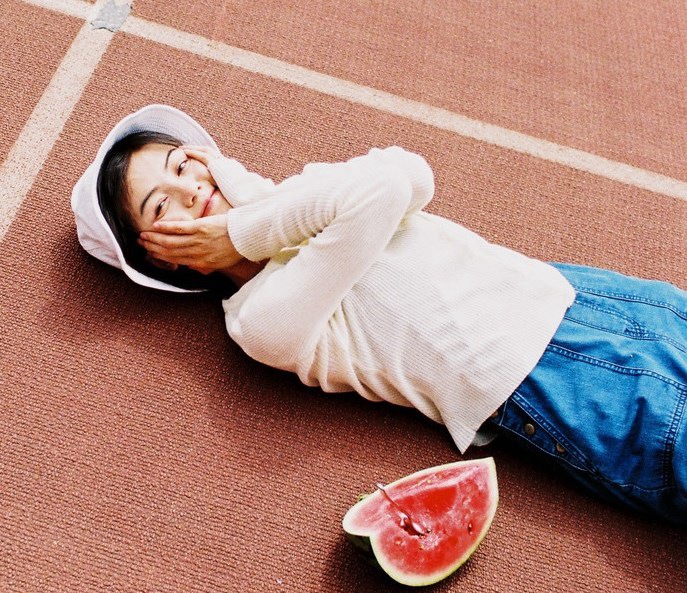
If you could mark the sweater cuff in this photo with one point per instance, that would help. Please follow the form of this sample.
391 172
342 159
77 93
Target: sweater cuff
242 224
238 185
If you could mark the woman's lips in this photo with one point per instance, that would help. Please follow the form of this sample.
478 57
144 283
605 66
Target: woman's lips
209 204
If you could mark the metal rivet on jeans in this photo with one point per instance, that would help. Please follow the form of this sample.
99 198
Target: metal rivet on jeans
529 429
560 448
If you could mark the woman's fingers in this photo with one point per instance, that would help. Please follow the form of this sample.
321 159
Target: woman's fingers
182 257
174 234
203 243
173 246
152 239
197 155
172 227
178 249
199 148
208 225
204 154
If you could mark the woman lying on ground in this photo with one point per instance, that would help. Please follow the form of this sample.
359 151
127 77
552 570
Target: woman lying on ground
342 278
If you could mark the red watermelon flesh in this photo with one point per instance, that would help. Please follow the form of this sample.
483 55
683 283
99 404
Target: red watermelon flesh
421 528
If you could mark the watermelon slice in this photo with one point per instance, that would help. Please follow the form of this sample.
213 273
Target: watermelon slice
421 528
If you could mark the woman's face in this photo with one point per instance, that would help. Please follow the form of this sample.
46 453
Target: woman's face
165 184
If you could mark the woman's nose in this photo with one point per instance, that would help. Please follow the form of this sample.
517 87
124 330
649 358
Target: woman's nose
187 192
189 197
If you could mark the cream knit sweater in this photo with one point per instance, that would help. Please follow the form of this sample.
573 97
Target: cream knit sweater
365 292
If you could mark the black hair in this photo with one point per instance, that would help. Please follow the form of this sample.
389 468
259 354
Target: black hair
113 198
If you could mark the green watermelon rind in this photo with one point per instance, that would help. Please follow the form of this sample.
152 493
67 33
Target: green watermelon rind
367 542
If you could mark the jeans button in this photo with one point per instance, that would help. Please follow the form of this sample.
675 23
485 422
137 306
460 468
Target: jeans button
529 429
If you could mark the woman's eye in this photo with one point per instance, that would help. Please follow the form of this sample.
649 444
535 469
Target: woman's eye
182 166
160 206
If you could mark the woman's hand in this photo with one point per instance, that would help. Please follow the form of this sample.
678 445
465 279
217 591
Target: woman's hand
203 244
204 154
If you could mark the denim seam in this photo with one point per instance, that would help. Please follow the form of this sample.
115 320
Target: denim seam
632 298
669 449
654 337
635 330
614 367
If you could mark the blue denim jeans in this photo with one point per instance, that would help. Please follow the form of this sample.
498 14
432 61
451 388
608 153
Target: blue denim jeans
607 401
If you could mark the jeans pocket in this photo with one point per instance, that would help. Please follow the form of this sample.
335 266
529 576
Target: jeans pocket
597 312
649 310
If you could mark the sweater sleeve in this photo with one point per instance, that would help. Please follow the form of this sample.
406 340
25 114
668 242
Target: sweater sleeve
341 216
239 186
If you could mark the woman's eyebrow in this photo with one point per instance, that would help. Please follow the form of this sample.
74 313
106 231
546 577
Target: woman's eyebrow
152 191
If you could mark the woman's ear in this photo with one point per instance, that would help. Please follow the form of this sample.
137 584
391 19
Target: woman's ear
161 263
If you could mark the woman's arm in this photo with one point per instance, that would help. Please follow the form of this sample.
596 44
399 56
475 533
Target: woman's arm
238 185
205 244
346 213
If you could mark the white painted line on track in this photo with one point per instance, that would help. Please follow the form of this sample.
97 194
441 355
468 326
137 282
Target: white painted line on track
27 155
77 8
407 108
389 103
